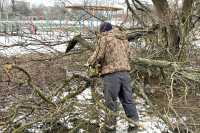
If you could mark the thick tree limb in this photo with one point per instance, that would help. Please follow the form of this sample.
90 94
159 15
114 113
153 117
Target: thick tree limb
162 7
186 10
133 13
78 39
130 36
155 63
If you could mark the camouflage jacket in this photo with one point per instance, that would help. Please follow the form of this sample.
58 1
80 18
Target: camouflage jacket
112 52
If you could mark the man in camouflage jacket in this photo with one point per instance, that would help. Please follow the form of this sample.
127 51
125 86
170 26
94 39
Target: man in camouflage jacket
112 53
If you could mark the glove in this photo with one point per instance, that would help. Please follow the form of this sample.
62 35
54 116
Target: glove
7 67
93 71
86 65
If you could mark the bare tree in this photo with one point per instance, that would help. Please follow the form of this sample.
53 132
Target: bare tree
40 89
2 6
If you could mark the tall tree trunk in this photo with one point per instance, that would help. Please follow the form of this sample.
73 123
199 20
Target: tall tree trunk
176 34
162 8
185 27
170 34
1 8
13 5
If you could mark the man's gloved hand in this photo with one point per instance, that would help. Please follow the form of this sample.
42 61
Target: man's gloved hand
86 65
92 71
7 67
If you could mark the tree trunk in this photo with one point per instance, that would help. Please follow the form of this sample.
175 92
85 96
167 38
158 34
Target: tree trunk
174 36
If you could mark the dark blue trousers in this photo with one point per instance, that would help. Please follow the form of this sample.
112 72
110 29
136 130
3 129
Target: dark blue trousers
118 85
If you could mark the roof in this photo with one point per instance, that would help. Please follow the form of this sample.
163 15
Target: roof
97 8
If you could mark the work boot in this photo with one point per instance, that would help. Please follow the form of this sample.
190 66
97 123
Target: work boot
134 128
110 124
110 129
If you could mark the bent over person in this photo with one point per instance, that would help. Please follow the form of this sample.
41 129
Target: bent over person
112 54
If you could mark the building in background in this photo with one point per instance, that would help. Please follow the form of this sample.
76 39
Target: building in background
22 8
20 3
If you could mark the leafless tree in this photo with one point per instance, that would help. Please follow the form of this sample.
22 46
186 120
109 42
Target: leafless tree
40 89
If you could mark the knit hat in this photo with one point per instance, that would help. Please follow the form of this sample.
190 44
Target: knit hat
105 26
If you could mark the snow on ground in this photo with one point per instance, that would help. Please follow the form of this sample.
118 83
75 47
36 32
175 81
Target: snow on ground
85 95
35 45
152 124
197 42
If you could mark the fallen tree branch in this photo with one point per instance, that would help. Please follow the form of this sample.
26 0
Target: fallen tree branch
131 36
188 73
